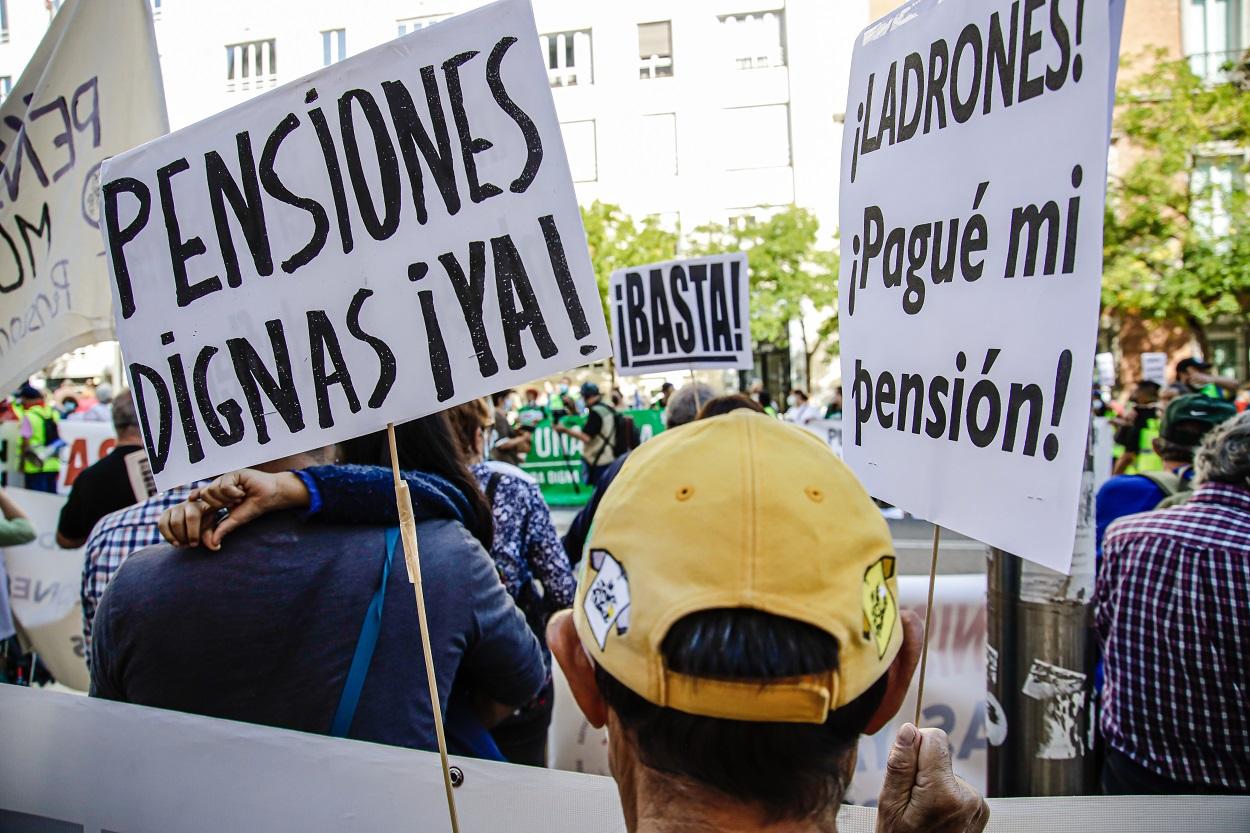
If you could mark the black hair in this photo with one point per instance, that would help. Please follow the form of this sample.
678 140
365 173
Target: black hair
766 399
1149 384
427 445
790 771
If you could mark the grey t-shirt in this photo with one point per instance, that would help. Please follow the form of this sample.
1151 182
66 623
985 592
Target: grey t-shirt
264 630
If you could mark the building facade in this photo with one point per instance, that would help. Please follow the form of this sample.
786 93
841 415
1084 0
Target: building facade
692 112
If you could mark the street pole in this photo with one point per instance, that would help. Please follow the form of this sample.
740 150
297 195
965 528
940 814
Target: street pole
1040 657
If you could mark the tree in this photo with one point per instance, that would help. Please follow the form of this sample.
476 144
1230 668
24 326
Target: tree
790 275
616 241
1177 240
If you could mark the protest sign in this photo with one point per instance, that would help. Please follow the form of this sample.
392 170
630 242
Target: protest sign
973 182
1154 368
829 430
377 241
1105 364
689 313
92 89
555 460
85 443
44 589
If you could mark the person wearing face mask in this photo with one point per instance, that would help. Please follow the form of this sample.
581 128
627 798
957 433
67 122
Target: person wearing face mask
799 408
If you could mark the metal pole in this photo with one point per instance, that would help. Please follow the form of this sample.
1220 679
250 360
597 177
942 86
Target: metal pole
1041 709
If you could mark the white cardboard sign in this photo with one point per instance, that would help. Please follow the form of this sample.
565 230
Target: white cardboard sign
1154 368
690 313
380 240
92 88
973 171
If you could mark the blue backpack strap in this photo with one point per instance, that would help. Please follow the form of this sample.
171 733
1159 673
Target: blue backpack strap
365 644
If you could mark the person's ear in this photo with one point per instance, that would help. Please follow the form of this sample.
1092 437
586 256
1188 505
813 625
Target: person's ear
578 670
900 673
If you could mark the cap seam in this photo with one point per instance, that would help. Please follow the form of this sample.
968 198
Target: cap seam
752 503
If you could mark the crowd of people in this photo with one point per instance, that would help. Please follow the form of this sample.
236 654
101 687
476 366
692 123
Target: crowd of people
735 681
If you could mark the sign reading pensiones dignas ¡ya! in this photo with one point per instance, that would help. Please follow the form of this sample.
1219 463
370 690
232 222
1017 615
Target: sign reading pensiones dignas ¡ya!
681 314
973 182
377 241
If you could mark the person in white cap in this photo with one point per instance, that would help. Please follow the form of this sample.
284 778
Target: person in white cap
735 680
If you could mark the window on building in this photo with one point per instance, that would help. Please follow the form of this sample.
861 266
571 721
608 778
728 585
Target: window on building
756 137
1223 355
1213 182
658 138
408 25
333 46
252 65
6 87
755 41
568 57
579 146
1212 35
4 21
655 49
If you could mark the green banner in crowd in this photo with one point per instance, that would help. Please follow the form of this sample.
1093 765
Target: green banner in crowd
555 460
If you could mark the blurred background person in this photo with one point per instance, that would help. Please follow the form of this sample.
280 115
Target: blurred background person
104 486
40 443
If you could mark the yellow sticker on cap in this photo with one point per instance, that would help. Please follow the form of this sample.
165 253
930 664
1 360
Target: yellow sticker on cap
880 606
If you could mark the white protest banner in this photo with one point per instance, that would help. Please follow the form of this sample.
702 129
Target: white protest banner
689 313
954 694
85 443
377 241
829 430
1105 364
1154 368
92 89
44 590
973 182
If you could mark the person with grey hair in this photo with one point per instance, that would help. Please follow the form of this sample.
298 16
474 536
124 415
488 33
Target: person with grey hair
102 410
683 406
1172 610
104 486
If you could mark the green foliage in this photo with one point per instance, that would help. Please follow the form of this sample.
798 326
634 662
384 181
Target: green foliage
787 270
616 241
1163 256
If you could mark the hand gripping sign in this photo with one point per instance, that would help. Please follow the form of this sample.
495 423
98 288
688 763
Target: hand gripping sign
973 181
377 241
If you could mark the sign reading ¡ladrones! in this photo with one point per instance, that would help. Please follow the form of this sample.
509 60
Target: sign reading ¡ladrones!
682 314
973 180
377 241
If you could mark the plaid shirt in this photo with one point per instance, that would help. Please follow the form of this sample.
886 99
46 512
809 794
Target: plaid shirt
1172 609
113 539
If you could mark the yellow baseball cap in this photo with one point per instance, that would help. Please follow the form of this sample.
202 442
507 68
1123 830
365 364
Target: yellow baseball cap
738 511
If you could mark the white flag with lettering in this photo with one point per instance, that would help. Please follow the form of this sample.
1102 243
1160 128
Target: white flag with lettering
91 90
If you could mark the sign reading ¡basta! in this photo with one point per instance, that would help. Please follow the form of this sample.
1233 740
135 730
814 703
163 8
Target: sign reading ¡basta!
377 241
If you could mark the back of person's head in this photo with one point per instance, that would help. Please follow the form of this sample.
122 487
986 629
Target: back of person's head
719 405
467 421
734 671
765 398
1146 389
683 406
104 393
1186 420
1224 456
125 417
428 445
799 394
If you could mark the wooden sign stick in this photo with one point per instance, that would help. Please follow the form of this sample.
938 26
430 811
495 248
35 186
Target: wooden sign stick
412 559
928 619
